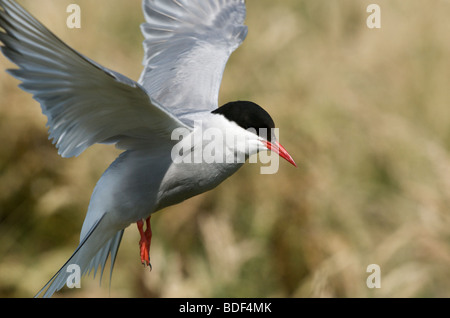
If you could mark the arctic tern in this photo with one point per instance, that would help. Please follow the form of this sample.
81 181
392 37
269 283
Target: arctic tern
187 45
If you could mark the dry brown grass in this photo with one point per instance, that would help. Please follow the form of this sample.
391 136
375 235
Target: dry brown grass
364 112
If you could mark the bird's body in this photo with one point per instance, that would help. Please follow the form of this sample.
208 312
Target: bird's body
145 181
187 45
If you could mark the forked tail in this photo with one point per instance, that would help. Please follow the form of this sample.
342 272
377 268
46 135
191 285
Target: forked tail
91 253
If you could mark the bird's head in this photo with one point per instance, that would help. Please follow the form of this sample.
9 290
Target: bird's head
253 123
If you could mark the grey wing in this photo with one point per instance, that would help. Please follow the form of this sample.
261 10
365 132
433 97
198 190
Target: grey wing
85 103
187 45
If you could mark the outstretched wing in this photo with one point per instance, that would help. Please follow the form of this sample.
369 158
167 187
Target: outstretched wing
187 45
85 103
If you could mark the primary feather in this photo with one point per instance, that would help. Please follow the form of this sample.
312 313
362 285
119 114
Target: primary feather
187 45
85 103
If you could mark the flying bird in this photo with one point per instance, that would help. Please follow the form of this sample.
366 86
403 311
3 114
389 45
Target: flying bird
187 45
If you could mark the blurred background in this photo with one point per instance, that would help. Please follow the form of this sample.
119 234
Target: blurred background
364 112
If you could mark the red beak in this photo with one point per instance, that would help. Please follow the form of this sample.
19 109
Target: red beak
279 149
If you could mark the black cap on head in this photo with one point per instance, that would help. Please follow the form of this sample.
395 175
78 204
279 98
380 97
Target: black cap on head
248 115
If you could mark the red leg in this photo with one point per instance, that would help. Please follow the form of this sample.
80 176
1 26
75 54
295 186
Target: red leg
146 239
148 231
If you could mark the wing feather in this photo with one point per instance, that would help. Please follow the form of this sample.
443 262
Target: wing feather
85 103
187 45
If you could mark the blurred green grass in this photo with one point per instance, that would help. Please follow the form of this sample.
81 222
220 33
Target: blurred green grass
363 112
